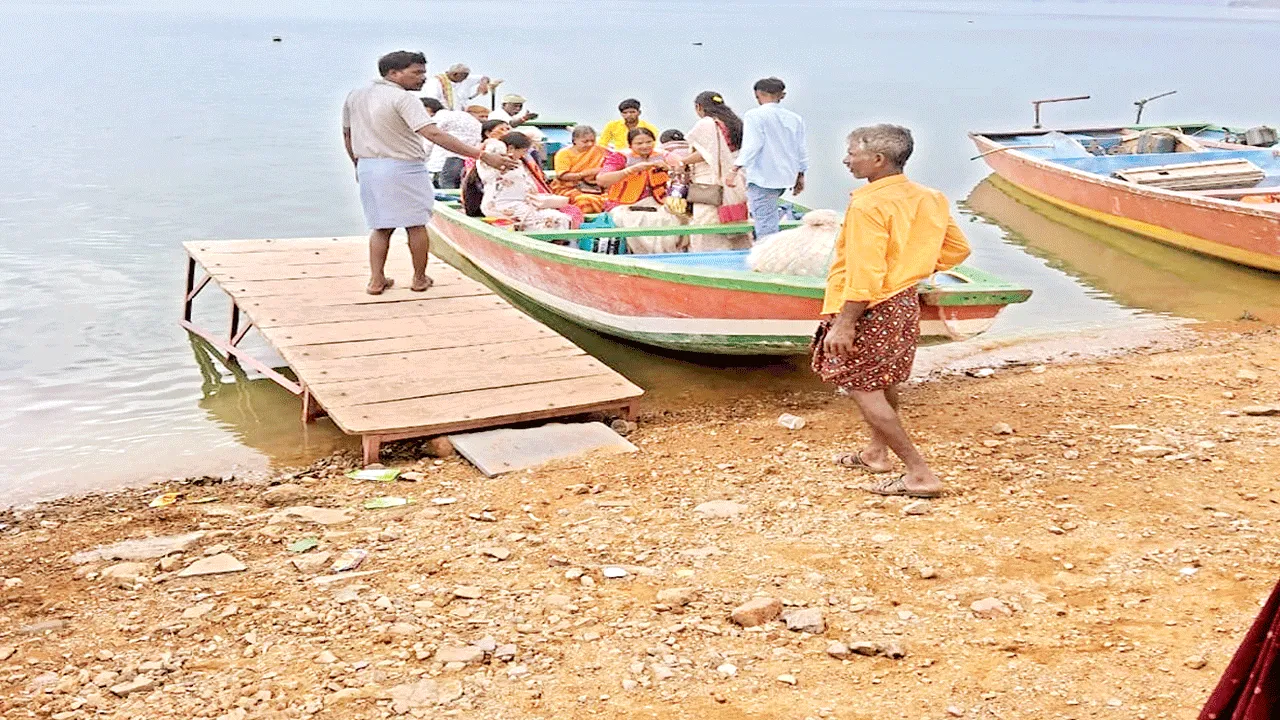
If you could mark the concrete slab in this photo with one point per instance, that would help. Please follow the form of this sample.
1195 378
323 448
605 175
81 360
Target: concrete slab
501 451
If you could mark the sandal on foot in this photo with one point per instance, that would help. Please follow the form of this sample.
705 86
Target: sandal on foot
897 487
389 283
424 287
854 461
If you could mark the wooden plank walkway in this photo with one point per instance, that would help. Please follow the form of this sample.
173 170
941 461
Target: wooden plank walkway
401 364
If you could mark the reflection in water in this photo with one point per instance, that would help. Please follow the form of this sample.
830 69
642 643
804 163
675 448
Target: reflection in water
1133 270
261 414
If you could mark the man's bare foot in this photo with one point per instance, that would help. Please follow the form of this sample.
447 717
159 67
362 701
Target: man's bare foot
864 460
373 289
422 284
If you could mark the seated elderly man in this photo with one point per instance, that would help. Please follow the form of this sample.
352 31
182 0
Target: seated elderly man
513 111
455 88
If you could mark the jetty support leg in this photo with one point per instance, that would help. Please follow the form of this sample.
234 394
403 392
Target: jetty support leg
372 445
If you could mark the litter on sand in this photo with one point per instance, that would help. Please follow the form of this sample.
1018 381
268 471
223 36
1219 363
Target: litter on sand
380 503
164 500
375 475
304 544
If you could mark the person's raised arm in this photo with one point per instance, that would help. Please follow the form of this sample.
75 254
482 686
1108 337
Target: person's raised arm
435 135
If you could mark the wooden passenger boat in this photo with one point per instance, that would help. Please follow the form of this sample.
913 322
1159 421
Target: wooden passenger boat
1197 187
695 302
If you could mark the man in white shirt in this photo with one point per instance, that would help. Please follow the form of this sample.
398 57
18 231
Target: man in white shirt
455 88
445 166
383 125
512 110
773 155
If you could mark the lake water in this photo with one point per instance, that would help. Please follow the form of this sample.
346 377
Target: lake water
129 127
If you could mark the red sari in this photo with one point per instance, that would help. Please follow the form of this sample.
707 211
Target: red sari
1250 688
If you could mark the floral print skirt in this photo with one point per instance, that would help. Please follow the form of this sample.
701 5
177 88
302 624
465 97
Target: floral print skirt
884 347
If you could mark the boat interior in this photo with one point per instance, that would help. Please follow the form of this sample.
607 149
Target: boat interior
1203 160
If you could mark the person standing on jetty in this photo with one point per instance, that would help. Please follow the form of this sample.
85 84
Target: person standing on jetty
896 233
773 155
383 125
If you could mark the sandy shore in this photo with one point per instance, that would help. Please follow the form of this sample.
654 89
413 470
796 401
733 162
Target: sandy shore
1110 532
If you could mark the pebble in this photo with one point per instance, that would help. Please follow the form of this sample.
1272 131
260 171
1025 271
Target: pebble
1002 428
677 597
1195 662
443 501
326 658
312 563
661 672
141 548
453 654
1261 410
196 612
614 571
7 651
306 513
864 647
43 627
285 494
126 574
720 509
727 669
216 565
919 507
756 611
1247 374
928 573
498 553
955 711
467 592
980 372
138 684
838 650
787 679
1153 451
990 608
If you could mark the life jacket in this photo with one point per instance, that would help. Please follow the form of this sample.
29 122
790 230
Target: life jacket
631 188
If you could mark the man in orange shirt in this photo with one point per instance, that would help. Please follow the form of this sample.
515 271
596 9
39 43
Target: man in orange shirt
896 233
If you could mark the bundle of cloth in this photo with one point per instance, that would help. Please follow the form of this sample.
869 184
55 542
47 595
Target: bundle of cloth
805 250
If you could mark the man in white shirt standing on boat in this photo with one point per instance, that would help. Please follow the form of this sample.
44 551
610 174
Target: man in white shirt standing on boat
383 125
773 155
512 110
455 88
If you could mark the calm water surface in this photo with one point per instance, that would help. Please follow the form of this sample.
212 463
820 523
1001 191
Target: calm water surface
131 126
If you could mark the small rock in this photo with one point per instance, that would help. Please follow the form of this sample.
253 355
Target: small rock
468 593
1002 428
864 647
919 507
787 679
216 565
990 608
1261 410
1246 374
893 651
928 573
413 696
838 650
955 711
196 612
326 658
140 548
756 611
882 538
141 683
980 372
677 597
286 494
465 655
311 564
6 652
623 427
127 573
661 672
506 653
1153 451
614 571
41 628
306 513
1195 662
498 553
1071 454
720 509
805 620
629 684
728 669
1038 370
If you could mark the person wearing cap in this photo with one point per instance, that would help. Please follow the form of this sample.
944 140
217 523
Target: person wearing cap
513 111
447 167
383 126
455 88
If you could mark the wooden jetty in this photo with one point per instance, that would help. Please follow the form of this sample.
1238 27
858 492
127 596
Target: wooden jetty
401 364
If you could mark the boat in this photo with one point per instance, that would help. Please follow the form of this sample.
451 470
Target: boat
703 302
1201 187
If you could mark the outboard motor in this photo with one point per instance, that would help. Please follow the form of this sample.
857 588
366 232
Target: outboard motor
1261 136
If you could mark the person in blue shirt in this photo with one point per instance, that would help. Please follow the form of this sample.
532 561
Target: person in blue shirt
773 156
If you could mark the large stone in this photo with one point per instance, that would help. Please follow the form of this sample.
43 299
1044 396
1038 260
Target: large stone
990 608
306 513
285 494
141 683
720 509
465 655
805 620
756 611
216 565
140 548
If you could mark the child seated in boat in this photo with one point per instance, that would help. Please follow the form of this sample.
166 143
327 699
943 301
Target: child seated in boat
514 195
636 185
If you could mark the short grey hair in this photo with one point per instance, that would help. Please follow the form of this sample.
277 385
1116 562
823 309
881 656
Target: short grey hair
894 142
581 131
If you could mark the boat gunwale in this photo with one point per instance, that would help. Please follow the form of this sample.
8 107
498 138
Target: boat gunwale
1203 202
980 288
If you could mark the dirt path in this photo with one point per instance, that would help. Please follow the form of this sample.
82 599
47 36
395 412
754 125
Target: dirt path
1117 542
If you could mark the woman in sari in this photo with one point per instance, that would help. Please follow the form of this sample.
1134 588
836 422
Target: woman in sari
576 170
714 141
636 186
515 195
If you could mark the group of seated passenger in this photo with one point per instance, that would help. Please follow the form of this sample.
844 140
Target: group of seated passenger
633 184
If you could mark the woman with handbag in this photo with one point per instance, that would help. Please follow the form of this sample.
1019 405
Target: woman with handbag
635 184
715 195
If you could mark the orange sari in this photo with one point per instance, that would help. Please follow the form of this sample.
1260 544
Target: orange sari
573 160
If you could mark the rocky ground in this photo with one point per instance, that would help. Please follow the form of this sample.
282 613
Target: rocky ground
1110 531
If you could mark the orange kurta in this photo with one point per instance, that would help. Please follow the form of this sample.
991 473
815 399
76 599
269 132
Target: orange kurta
571 159
895 234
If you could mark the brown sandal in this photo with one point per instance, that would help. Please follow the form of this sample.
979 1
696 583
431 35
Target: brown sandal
854 461
897 487
390 282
